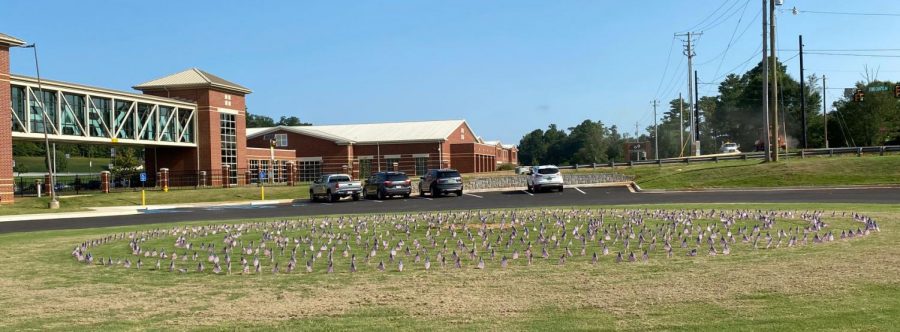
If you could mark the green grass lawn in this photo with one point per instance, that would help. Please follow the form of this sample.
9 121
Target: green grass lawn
841 285
176 196
816 171
74 164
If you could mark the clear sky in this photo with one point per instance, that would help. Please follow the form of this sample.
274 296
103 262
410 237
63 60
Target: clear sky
507 67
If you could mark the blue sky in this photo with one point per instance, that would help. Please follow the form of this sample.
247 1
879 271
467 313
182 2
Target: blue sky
507 67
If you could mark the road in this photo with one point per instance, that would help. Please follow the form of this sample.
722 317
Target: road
508 199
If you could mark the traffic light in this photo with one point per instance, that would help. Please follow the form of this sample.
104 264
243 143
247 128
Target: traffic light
859 96
897 90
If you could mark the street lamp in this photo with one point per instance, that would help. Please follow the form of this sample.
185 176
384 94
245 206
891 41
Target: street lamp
54 202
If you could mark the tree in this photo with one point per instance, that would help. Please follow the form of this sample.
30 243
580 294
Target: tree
291 121
259 121
125 161
532 148
873 121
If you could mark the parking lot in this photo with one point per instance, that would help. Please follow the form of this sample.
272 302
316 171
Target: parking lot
572 196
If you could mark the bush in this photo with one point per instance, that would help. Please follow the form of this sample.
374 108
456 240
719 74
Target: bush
506 167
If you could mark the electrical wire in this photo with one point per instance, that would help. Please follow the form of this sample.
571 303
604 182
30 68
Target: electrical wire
708 17
666 70
854 54
845 13
723 17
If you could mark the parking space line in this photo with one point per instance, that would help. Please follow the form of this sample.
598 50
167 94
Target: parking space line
476 196
376 201
579 190
526 191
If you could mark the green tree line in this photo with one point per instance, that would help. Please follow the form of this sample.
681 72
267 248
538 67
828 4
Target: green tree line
588 142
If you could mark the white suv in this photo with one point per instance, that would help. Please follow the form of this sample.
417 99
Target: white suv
544 177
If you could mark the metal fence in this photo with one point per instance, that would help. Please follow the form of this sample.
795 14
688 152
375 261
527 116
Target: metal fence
75 184
858 151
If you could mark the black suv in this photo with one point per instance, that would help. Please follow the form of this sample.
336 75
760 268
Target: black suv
440 181
386 184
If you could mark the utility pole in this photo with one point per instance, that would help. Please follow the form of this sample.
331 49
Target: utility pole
802 96
681 125
655 131
765 84
824 111
774 86
689 52
696 117
636 137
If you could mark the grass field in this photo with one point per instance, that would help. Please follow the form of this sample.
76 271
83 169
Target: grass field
74 164
154 197
842 285
817 171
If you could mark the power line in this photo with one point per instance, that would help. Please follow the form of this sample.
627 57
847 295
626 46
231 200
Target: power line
845 13
848 50
855 54
666 70
708 17
725 19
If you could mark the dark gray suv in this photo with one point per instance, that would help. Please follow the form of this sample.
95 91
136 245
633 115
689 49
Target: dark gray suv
386 184
440 181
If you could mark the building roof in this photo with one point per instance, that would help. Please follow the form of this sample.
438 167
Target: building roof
191 78
371 133
10 40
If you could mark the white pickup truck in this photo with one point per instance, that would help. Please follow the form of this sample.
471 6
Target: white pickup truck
333 187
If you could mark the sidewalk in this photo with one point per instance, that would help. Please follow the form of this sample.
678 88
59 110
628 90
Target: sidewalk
132 210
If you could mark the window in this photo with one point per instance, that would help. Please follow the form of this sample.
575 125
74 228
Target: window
18 105
389 164
124 119
229 144
421 165
309 170
227 100
167 132
254 171
147 130
72 114
185 116
548 170
335 179
281 140
98 113
37 118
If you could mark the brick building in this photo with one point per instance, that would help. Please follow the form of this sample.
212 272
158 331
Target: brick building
193 124
360 149
6 157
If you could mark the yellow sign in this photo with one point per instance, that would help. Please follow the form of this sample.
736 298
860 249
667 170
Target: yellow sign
115 140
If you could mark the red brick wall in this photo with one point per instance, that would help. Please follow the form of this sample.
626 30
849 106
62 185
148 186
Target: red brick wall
208 133
262 153
6 171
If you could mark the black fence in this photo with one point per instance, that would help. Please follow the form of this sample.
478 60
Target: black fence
76 184
858 151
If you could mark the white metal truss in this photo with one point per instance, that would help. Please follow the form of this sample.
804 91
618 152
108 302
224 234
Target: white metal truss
92 121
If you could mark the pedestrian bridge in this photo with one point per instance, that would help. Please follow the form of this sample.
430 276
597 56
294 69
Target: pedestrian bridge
81 114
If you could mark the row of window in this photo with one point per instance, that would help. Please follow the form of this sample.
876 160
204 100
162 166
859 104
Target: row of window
100 117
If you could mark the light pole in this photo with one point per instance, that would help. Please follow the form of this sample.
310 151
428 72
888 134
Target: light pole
655 131
54 202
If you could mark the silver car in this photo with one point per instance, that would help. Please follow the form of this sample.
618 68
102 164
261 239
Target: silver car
544 177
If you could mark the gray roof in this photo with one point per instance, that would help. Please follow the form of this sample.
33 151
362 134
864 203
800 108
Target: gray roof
191 78
371 133
10 40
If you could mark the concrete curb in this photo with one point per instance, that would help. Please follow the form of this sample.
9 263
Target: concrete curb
850 187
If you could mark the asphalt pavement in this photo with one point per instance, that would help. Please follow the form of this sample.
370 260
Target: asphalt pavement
486 200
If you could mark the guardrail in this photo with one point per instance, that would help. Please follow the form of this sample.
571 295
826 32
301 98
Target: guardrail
858 151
